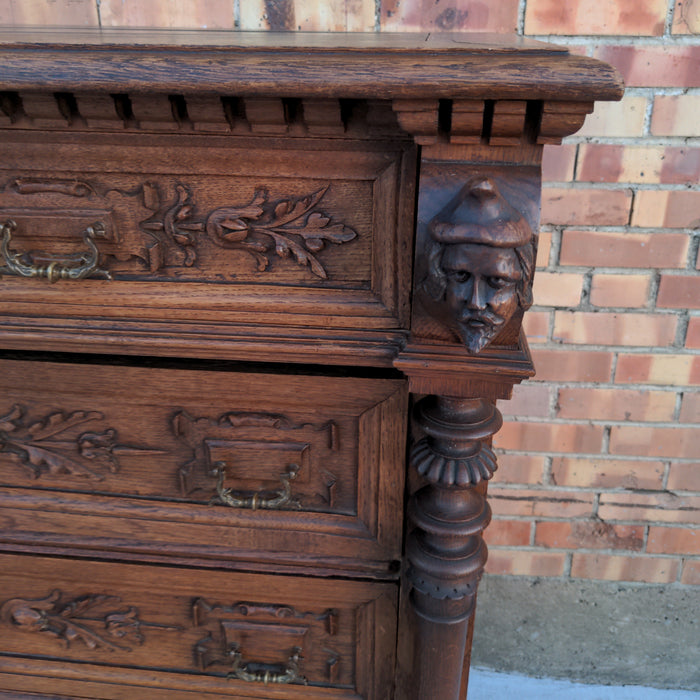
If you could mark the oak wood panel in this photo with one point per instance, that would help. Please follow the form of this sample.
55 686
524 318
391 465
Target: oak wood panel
213 230
369 65
254 343
238 466
164 628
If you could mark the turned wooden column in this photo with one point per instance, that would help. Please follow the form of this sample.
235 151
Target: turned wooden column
476 241
445 550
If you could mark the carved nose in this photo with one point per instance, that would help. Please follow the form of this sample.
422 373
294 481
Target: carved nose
477 298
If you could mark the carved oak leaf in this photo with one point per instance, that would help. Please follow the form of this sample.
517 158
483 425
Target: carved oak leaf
241 227
47 615
58 422
50 445
7 422
33 447
55 462
289 210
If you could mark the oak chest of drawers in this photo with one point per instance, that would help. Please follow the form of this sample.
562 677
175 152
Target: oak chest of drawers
230 262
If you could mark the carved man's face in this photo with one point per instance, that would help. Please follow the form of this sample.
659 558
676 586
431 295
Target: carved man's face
481 292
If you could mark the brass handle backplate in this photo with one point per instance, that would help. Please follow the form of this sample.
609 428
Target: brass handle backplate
87 266
253 672
263 500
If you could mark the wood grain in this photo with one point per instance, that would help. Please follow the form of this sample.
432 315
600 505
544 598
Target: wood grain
123 446
304 65
119 615
182 528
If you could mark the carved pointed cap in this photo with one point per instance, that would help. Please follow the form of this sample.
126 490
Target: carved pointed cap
479 214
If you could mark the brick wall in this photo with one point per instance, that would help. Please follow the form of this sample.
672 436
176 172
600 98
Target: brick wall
600 454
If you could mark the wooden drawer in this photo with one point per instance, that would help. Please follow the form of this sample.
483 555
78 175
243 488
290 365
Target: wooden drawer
196 229
81 628
237 468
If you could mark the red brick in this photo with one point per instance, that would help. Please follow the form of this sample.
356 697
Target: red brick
549 437
690 408
557 288
620 290
589 534
676 115
558 163
681 165
692 338
610 249
542 503
666 209
616 404
655 66
529 400
195 14
458 15
650 164
684 476
517 562
673 540
627 329
669 370
77 13
504 533
683 443
536 326
679 292
589 207
686 17
614 119
572 365
691 572
604 473
612 567
659 507
595 17
519 469
333 15
544 248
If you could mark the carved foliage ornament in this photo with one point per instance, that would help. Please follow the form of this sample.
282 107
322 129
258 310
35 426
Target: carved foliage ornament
96 620
57 444
480 262
291 227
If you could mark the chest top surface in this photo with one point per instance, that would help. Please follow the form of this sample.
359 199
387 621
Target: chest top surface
302 64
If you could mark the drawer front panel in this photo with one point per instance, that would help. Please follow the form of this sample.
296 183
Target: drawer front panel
216 463
209 228
237 635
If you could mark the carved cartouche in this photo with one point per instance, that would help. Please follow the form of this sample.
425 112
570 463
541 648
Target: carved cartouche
480 257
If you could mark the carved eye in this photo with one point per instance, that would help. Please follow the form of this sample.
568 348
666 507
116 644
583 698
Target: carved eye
460 276
499 282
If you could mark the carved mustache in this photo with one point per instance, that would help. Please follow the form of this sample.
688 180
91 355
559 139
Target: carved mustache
486 317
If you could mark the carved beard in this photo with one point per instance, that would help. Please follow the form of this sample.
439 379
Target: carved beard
476 329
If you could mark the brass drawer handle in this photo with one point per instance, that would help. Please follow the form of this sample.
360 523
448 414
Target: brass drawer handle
86 267
254 672
276 500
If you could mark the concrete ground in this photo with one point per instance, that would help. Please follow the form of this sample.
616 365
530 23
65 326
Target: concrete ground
591 632
489 685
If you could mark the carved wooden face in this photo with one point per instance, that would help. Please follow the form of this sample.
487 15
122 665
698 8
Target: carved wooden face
481 294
